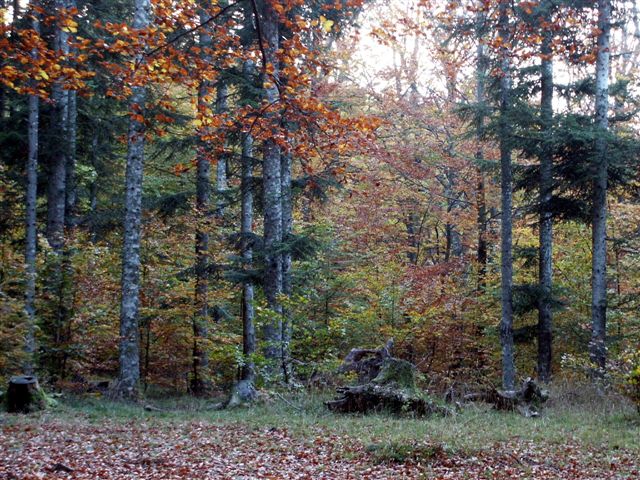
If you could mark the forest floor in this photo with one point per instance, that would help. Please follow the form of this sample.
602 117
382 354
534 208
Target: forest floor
294 437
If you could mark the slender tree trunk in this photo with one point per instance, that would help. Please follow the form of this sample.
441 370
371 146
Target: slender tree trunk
199 381
93 190
222 107
597 348
31 226
272 190
546 214
129 376
56 201
57 179
248 313
71 192
287 230
506 180
481 74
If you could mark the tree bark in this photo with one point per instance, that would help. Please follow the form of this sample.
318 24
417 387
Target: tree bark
129 375
481 74
597 347
57 179
272 189
31 225
246 230
546 215
287 230
199 381
506 180
222 107
71 191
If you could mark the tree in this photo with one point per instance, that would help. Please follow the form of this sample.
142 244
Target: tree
546 193
31 227
598 349
129 364
268 21
506 181
199 381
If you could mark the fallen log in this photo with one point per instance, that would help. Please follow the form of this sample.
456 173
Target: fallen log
527 400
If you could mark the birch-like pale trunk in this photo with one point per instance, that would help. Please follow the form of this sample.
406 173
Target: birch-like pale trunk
506 186
129 375
597 347
545 274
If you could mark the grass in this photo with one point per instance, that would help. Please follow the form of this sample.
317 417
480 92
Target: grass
576 416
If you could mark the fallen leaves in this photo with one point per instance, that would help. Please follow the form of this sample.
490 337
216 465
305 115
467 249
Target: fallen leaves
79 449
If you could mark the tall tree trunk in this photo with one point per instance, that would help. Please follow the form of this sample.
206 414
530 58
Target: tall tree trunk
287 230
246 230
93 189
199 381
481 74
56 201
222 107
57 179
71 192
506 180
546 214
597 348
129 376
31 219
272 189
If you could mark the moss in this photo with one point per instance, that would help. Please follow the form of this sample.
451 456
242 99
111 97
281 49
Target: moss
398 374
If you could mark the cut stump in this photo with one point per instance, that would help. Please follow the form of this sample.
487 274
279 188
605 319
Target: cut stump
24 395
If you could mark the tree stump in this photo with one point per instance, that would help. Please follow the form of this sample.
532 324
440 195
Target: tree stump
366 363
392 390
24 395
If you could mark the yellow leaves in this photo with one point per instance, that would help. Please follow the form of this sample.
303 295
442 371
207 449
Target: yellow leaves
326 24
42 75
70 26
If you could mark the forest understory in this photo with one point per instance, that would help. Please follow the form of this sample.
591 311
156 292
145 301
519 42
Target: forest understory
580 436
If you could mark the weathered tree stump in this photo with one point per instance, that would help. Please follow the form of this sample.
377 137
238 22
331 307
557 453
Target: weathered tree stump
366 363
392 390
24 395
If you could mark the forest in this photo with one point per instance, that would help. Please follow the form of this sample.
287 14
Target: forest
319 239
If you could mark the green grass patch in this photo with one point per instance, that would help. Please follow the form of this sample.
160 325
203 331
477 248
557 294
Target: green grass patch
604 424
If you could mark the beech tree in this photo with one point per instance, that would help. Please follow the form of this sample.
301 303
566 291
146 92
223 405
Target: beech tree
129 364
